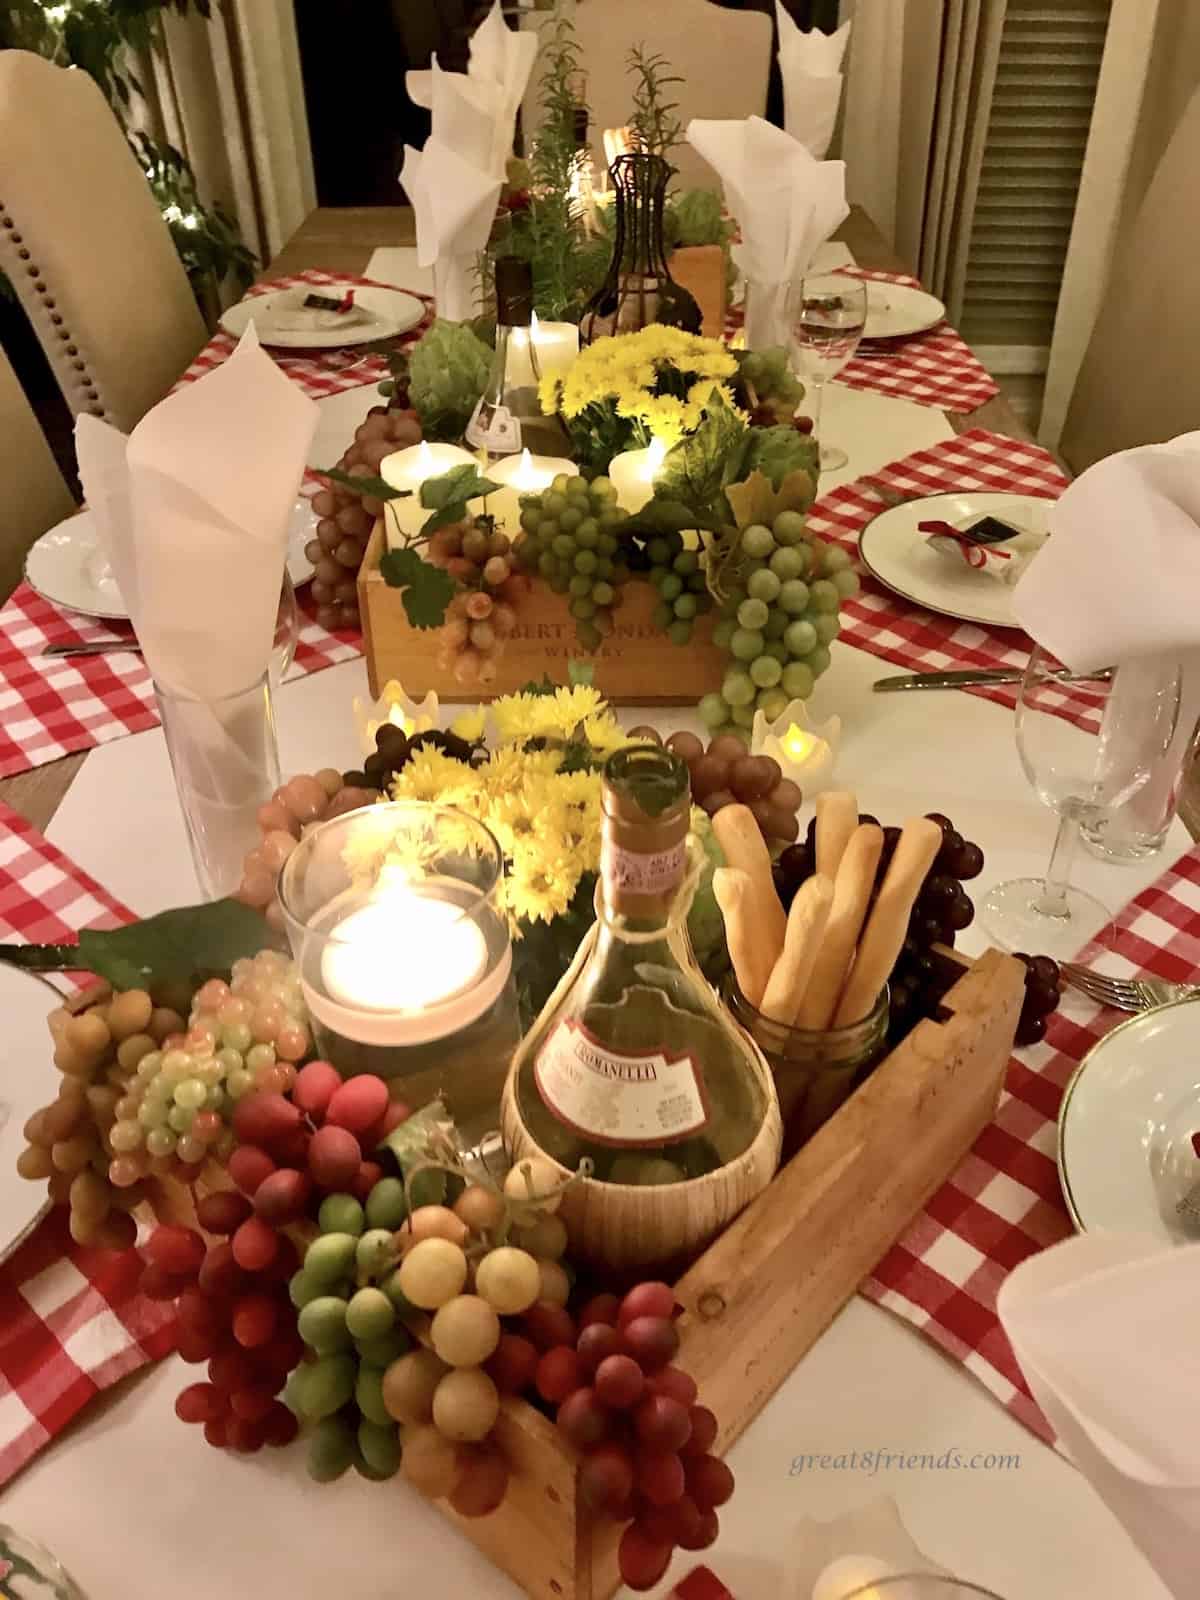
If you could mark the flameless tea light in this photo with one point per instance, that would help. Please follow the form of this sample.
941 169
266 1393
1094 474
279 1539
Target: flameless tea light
555 343
633 473
397 707
806 754
408 469
518 475
851 1576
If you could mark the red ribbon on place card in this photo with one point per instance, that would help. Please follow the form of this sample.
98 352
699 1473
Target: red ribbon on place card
975 555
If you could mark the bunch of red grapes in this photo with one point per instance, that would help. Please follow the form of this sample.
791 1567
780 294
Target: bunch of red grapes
644 1442
921 978
348 515
726 774
482 615
233 1302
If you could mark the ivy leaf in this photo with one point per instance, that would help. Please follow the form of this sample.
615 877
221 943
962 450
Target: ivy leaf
377 488
698 468
428 590
455 487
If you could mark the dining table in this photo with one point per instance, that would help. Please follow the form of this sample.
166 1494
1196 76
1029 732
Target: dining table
133 1503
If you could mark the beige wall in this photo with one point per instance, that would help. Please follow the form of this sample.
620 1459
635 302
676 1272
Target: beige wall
1173 76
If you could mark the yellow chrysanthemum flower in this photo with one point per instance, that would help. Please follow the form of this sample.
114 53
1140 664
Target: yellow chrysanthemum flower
604 733
540 885
469 725
431 775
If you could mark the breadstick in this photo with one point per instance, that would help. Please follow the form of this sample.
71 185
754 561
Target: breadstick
801 946
919 843
851 896
837 818
745 848
752 961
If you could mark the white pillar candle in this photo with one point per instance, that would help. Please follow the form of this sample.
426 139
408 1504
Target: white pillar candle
556 344
408 469
518 475
633 473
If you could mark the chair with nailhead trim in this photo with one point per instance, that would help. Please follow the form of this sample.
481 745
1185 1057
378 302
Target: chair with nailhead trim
85 246
35 495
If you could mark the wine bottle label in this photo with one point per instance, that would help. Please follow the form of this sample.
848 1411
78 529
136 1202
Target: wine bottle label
642 872
494 428
631 1102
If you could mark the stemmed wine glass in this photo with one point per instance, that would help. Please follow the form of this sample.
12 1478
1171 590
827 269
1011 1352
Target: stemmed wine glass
827 313
1084 774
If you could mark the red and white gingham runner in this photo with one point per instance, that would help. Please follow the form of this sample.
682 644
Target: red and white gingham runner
937 368
71 1320
1004 1202
922 641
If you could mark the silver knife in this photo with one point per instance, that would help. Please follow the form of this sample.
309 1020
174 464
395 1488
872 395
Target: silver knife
102 648
978 677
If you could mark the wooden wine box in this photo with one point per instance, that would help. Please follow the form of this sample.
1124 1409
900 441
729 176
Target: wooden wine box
636 665
765 1291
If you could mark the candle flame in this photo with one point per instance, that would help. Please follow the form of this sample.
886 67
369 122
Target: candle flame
525 477
798 743
655 456
424 457
533 328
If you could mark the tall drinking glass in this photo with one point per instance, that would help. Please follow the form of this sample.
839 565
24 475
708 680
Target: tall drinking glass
1086 775
826 315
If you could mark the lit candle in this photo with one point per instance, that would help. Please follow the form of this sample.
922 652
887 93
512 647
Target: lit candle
402 951
556 343
518 475
408 469
805 754
397 707
851 1576
633 473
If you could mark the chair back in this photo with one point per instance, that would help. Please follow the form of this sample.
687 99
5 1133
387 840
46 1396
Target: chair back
35 494
723 58
85 246
1139 382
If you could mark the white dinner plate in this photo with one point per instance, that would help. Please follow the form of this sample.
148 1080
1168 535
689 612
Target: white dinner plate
392 312
898 555
340 415
894 311
1122 1090
67 566
28 1081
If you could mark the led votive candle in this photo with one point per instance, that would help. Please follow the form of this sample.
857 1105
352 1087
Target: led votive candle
408 469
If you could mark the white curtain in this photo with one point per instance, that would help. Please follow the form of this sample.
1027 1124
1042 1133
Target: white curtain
1150 70
228 93
918 99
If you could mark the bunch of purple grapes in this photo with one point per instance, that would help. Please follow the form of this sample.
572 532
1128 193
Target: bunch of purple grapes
921 978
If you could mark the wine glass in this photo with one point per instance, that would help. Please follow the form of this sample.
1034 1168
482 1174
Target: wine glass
1084 774
827 313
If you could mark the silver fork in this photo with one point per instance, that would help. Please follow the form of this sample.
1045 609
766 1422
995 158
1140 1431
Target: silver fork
1126 994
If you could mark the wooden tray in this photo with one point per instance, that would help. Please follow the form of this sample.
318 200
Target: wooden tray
635 666
762 1295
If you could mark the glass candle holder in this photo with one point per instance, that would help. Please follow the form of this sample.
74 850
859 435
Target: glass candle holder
225 760
28 1570
815 1071
921 1586
394 918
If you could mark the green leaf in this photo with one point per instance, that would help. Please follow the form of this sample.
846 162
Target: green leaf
409 1142
699 467
362 483
778 452
428 590
172 953
448 495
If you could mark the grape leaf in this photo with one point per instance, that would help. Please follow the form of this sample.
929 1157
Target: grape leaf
362 483
758 500
456 487
781 452
428 590
697 469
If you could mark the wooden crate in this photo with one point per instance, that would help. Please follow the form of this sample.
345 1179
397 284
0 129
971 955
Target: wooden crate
636 665
761 1296
700 268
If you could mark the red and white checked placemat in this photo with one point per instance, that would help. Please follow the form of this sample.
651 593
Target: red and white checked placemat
922 641
71 1320
937 368
1004 1202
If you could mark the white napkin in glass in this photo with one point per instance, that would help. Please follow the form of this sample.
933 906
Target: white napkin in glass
455 203
810 65
787 204
498 71
193 511
1104 1327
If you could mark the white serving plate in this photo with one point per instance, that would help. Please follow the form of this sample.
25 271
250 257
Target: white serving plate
1124 1087
68 567
392 312
898 555
894 311
28 1081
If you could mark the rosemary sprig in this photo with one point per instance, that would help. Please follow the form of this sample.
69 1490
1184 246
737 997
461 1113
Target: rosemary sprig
653 118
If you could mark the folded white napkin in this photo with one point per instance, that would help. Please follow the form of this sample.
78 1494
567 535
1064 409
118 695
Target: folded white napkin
810 65
1104 1327
499 65
455 203
192 510
787 203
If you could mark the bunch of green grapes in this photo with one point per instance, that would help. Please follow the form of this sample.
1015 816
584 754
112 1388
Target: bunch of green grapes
779 623
678 575
570 536
766 387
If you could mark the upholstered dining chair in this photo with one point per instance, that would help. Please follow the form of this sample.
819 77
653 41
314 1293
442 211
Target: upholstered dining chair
35 493
722 56
85 247
1140 378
